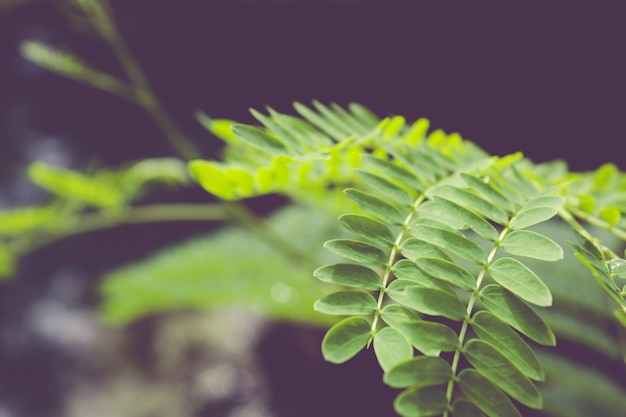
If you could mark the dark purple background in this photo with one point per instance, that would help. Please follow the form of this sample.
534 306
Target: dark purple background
545 78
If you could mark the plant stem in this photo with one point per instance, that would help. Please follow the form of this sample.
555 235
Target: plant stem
130 215
108 30
470 307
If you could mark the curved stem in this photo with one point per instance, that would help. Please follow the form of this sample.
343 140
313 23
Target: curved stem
131 215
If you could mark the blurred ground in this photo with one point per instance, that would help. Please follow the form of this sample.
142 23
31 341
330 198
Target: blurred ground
544 78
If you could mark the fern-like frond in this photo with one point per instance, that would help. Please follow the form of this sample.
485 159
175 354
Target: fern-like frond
422 252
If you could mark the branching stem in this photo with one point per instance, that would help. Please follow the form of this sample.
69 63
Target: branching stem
470 308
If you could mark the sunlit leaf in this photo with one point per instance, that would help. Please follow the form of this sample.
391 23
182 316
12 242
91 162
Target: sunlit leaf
345 339
521 281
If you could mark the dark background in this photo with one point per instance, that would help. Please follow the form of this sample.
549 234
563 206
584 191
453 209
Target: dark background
544 78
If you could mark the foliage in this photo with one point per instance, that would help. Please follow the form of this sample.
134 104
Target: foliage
460 269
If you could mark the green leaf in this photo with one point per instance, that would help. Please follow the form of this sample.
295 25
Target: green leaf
486 395
217 270
427 300
415 249
521 281
357 251
549 201
497 333
406 269
419 372
100 191
486 189
611 215
468 217
532 245
391 348
368 228
531 216
617 267
345 339
378 207
25 219
396 172
259 139
517 314
421 402
283 135
321 122
473 201
349 275
489 362
448 271
428 337
386 187
347 303
455 242
463 408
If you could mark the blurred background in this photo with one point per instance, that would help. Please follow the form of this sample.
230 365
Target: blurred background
544 78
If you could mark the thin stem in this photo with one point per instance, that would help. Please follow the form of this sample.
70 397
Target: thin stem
145 97
392 258
130 215
593 220
248 218
470 307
